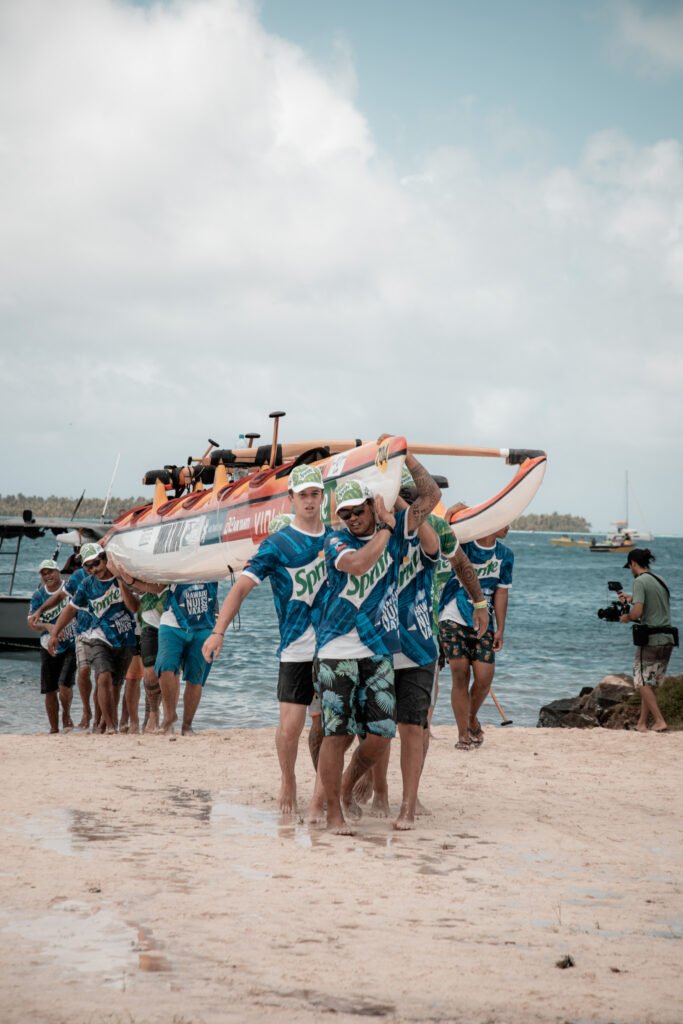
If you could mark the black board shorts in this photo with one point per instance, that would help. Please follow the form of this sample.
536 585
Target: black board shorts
295 682
149 646
413 687
57 670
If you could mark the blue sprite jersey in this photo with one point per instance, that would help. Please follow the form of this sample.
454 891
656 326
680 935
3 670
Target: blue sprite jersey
68 634
84 620
294 562
366 603
110 619
493 567
415 583
194 605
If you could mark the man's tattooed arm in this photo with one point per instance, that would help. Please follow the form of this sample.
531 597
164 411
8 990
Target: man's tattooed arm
428 493
467 576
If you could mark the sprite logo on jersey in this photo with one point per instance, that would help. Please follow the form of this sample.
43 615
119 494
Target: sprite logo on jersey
489 568
358 587
52 614
101 605
409 567
307 581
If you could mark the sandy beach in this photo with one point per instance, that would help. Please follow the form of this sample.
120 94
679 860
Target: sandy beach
152 879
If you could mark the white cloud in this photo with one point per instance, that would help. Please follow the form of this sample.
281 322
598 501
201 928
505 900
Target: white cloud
198 228
655 36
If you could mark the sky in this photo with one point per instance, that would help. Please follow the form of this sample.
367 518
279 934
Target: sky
455 221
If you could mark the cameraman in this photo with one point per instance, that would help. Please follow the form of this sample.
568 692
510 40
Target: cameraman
654 637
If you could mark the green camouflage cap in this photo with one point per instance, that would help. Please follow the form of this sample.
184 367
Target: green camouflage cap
47 563
280 522
351 492
91 551
302 477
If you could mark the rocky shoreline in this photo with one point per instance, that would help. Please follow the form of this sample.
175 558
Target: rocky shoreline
612 704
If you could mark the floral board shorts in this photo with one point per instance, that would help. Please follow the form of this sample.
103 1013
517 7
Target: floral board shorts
357 696
650 665
461 642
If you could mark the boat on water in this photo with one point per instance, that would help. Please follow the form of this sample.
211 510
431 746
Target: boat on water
624 537
15 636
224 500
565 541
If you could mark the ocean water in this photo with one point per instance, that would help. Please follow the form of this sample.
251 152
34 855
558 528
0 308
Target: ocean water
554 641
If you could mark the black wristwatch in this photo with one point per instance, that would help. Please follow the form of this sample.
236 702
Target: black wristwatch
385 526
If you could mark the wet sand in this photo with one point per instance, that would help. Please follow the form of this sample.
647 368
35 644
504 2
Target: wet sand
152 880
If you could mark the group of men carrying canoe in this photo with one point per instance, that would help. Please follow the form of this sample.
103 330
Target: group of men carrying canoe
362 612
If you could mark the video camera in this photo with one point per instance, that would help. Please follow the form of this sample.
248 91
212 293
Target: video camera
616 609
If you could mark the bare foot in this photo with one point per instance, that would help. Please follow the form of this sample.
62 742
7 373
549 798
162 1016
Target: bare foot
362 791
187 730
287 799
84 723
339 827
379 807
111 730
420 810
404 823
316 813
352 809
152 723
660 728
342 830
124 728
167 727
641 728
53 731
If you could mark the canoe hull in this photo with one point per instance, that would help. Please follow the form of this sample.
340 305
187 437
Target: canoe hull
214 538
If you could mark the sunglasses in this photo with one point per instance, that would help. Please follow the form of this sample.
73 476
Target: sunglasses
347 513
92 563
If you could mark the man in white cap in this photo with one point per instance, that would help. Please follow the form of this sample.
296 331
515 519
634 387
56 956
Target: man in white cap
292 558
359 632
57 670
111 639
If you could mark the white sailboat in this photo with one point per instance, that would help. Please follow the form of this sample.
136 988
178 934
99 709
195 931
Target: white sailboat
624 532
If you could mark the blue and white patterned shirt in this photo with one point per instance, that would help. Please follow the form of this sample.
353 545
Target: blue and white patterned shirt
68 634
112 622
493 567
190 606
415 590
360 618
294 562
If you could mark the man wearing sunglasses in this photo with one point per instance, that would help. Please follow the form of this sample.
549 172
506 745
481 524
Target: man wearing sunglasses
111 639
359 632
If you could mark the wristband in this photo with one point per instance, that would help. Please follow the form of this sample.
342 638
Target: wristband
385 526
481 604
215 632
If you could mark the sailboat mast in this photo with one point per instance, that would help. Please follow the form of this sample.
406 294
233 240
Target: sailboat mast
626 499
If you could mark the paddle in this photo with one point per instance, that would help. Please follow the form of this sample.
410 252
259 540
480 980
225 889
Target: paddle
254 456
506 720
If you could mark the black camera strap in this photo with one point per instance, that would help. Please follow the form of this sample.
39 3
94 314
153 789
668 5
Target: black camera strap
659 580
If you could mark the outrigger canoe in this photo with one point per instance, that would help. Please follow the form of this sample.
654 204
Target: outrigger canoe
211 532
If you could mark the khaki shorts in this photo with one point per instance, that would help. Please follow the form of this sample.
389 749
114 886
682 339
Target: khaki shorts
650 665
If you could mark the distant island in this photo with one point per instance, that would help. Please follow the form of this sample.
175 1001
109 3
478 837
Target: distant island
91 508
559 522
